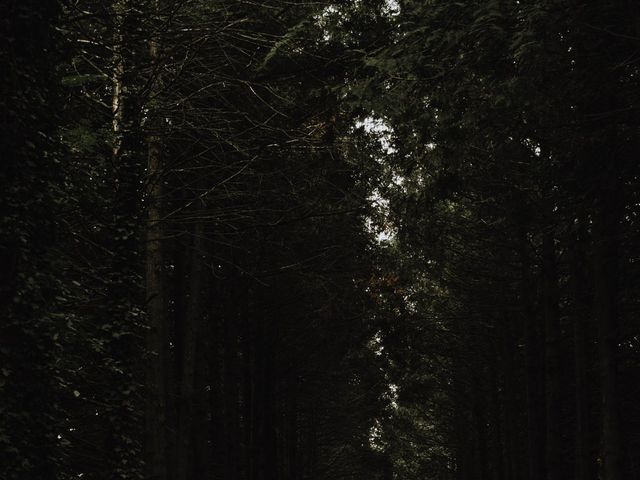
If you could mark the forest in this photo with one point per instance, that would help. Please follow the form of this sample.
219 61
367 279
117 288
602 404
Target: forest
319 240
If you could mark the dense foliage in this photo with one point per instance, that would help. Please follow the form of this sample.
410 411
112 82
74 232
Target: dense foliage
319 240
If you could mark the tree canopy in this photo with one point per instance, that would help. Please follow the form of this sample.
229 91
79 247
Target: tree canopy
287 240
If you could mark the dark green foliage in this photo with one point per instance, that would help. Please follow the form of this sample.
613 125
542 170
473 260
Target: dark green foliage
29 199
511 124
265 253
319 240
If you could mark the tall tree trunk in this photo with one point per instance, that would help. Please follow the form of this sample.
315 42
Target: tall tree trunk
510 416
231 383
202 451
264 400
157 331
117 80
584 466
248 394
465 431
122 270
534 361
552 359
605 309
270 442
156 338
291 440
257 435
216 430
189 341
496 433
480 423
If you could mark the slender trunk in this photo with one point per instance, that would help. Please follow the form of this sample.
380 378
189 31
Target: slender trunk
291 440
552 359
312 447
231 384
258 406
117 80
184 431
534 361
270 443
496 433
605 309
202 451
481 445
118 266
584 467
510 416
247 396
216 430
465 433
156 338
264 400
157 331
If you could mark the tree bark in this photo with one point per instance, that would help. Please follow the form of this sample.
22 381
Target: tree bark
480 422
202 451
156 338
605 309
552 359
509 360
248 395
291 441
534 362
117 80
185 430
157 331
231 383
584 466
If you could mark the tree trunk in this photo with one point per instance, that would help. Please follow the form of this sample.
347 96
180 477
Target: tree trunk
584 466
510 416
496 433
231 383
605 309
189 342
157 332
480 422
552 359
270 442
534 360
291 440
216 430
117 80
248 387
156 338
202 451
117 101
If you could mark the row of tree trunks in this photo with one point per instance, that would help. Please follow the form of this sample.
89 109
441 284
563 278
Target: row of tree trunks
249 402
592 303
168 423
